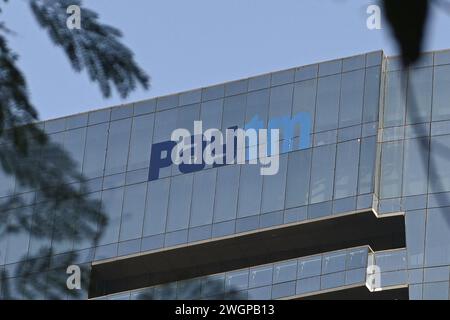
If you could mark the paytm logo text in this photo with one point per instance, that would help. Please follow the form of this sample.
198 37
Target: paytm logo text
254 143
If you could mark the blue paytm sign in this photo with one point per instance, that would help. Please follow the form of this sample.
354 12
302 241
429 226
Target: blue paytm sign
191 152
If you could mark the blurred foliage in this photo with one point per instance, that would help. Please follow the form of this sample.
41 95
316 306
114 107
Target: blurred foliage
63 214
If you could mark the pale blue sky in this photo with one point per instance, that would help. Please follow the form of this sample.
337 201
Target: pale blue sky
186 44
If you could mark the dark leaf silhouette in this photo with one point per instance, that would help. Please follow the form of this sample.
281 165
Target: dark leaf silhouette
407 19
95 47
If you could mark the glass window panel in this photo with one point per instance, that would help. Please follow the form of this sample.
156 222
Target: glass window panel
236 87
250 187
99 116
133 211
285 289
357 258
74 143
260 276
305 98
118 144
274 187
226 193
189 289
306 72
211 114
17 245
435 291
391 169
415 172
141 142
144 107
322 173
439 180
259 82
328 93
308 285
333 280
190 97
297 191
165 123
309 267
420 86
394 106
441 94
213 92
283 77
372 94
352 92
167 102
333 262
346 169
367 165
285 271
437 244
94 157
7 183
112 206
258 106
236 280
203 198
391 260
213 285
76 121
262 293
179 202
187 115
234 111
281 101
415 237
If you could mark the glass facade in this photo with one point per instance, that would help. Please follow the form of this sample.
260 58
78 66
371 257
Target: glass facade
380 141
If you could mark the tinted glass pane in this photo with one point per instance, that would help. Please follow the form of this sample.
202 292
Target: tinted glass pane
415 237
437 244
156 210
118 143
441 94
352 93
372 94
281 101
327 103
133 212
439 164
285 271
394 107
141 140
415 172
309 267
322 173
226 193
420 87
367 165
391 169
179 202
297 191
250 187
203 198
94 157
305 98
112 206
274 188
74 142
346 169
